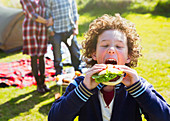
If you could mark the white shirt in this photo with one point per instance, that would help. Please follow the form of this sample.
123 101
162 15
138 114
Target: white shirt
106 110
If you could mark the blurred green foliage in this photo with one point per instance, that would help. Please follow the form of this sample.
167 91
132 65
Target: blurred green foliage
160 7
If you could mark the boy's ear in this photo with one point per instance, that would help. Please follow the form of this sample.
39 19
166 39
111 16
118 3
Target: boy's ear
128 59
94 56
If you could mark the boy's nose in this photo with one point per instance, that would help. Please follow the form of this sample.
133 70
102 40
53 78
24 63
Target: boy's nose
111 50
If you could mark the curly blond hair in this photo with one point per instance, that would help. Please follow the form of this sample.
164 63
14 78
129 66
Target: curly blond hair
106 22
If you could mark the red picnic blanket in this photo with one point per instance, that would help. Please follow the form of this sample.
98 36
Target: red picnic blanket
18 73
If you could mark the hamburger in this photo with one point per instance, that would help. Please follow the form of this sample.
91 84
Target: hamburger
110 76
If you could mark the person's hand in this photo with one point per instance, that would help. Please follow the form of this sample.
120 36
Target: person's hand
131 75
88 81
75 31
49 22
52 33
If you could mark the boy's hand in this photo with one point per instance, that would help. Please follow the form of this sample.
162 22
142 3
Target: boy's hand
131 75
88 81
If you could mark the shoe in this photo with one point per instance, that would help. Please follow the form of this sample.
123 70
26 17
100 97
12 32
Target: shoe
47 89
40 89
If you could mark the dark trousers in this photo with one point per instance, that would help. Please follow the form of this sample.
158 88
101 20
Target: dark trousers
73 48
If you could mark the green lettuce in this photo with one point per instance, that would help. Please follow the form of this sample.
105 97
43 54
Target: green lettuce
107 76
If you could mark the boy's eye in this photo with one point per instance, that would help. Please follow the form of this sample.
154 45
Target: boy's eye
119 46
104 45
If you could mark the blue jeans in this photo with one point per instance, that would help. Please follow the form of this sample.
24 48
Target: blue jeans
74 51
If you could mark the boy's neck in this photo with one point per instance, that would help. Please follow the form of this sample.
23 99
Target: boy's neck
108 94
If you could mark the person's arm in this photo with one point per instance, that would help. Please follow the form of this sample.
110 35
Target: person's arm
30 12
154 107
67 107
48 22
76 30
75 12
76 16
152 104
41 20
48 14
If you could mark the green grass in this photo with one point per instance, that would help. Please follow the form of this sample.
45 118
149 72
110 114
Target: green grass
154 29
25 104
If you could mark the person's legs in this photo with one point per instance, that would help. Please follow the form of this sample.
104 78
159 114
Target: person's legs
34 66
75 54
42 67
42 72
56 43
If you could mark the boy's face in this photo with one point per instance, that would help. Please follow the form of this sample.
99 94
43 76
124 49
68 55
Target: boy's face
111 48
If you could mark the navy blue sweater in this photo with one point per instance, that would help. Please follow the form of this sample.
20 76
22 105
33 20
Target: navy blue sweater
129 103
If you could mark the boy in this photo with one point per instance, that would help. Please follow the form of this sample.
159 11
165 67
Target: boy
110 40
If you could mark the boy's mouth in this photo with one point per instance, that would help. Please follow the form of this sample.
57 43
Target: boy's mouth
111 61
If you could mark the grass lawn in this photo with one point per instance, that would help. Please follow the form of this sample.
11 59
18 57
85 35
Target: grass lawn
154 29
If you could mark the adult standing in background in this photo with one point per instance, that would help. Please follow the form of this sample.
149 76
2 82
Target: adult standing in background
35 38
65 28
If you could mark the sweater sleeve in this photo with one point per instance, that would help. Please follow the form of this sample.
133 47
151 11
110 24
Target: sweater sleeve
67 107
29 9
153 105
